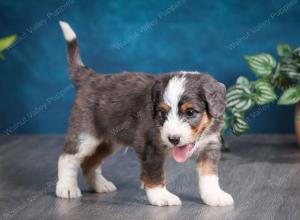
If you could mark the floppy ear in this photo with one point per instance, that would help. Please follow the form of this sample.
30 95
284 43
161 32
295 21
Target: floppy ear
215 95
155 96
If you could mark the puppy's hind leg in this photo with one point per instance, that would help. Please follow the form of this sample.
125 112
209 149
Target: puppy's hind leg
67 186
91 167
76 149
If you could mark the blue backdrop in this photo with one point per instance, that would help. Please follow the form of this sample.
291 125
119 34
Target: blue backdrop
151 36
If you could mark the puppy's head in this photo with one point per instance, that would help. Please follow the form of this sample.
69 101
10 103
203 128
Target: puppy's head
184 106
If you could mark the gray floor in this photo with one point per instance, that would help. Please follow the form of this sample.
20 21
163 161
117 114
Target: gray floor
261 172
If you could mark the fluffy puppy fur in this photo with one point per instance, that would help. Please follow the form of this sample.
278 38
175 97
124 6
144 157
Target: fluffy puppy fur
178 112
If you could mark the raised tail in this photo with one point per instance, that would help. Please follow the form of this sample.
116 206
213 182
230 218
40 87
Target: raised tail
77 69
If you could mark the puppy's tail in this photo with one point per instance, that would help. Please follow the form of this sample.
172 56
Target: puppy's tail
78 71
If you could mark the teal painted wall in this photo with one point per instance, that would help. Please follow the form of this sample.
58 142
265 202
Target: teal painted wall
151 36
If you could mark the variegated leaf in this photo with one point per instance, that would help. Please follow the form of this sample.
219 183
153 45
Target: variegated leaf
264 93
239 98
283 49
294 75
290 96
239 125
242 80
261 64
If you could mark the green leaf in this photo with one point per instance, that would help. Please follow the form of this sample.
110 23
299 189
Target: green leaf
288 68
239 98
238 123
290 96
1 56
261 64
279 79
298 116
294 75
264 93
7 41
242 80
283 49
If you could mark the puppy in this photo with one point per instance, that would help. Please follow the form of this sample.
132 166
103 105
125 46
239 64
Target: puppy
178 112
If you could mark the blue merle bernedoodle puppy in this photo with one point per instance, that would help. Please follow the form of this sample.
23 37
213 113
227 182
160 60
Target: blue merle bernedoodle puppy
180 113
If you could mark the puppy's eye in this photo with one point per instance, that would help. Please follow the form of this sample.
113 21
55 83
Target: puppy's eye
190 112
163 114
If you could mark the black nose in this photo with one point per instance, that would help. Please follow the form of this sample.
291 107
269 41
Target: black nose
174 139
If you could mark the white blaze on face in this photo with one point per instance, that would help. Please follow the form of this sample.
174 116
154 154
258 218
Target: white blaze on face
174 126
189 72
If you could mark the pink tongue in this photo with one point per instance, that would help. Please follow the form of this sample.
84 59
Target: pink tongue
180 154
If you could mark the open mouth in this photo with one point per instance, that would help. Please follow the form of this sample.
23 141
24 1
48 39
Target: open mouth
181 153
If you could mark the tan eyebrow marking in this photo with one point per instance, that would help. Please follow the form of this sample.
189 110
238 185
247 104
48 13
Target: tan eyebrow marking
186 106
204 123
164 106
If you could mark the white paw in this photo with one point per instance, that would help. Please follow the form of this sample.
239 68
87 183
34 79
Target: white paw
68 190
217 198
107 186
102 185
160 196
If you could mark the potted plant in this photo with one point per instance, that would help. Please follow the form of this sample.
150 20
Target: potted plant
282 76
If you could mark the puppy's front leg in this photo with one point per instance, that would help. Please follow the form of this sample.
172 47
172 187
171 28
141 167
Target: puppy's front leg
209 187
153 178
